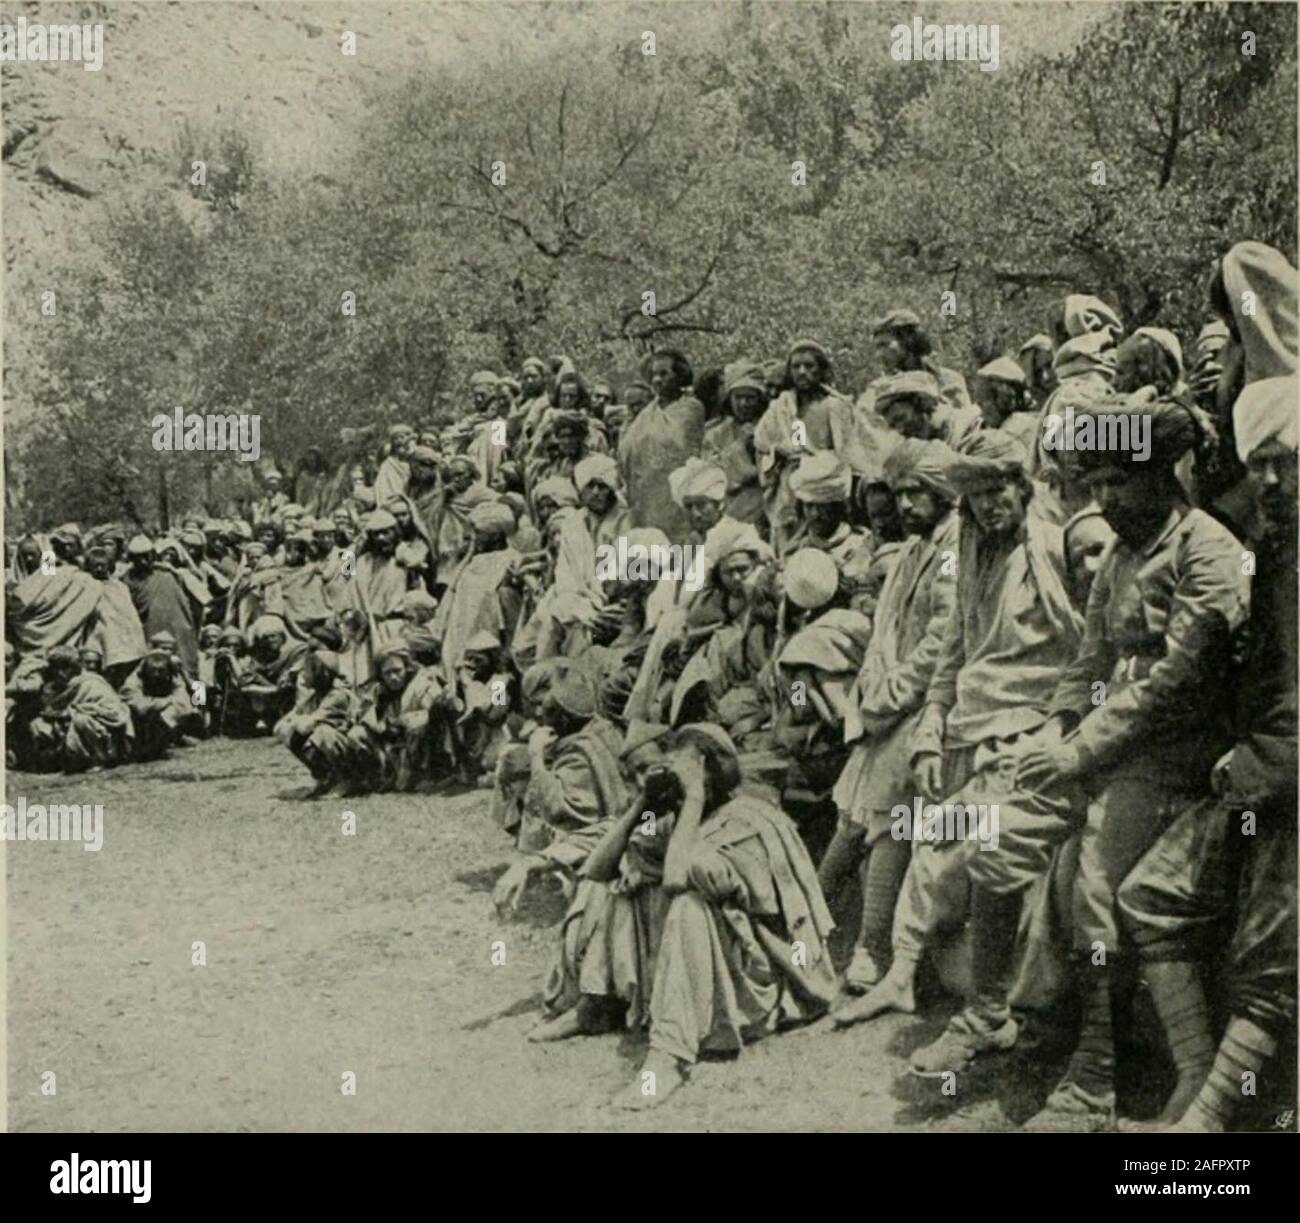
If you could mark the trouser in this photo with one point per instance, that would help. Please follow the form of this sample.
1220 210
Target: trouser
1121 824
158 727
323 749
936 892
1218 874
74 744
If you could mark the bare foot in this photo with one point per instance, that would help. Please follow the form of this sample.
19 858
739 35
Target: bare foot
659 1076
893 993
559 1028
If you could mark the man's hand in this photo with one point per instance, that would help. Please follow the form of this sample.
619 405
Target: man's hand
510 888
1048 766
927 772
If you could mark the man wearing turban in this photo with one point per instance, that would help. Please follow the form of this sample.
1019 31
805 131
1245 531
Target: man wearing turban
661 437
575 787
1202 867
911 403
1085 369
729 442
315 730
166 598
486 431
1011 631
1163 608
820 486
116 631
700 488
395 470
522 423
478 597
389 746
808 417
161 705
1002 393
911 618
82 723
376 586
55 603
605 516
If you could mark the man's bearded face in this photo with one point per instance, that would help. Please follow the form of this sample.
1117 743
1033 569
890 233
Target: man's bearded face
598 497
568 441
998 506
663 379
423 474
532 382
889 351
459 478
392 674
734 571
99 566
747 404
567 395
383 541
908 416
918 508
481 396
825 517
804 372
267 647
1271 472
702 513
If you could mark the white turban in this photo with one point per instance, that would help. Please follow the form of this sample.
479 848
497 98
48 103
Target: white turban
698 478
1266 411
596 467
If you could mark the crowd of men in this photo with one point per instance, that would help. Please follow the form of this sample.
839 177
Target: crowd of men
912 600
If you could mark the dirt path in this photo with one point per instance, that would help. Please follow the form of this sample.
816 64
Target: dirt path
328 954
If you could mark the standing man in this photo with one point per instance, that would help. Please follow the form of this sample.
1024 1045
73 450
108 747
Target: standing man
660 438
1239 845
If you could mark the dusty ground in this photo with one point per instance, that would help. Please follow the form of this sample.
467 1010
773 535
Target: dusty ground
369 953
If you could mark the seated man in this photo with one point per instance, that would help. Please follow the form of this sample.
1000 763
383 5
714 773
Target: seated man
23 685
910 620
574 787
821 486
475 723
743 946
261 692
83 723
610 935
389 744
160 704
315 730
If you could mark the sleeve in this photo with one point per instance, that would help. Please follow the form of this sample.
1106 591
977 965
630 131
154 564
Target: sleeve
1095 659
565 796
1209 603
902 688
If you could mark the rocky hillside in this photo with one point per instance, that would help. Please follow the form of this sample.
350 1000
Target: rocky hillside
76 141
